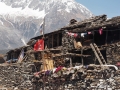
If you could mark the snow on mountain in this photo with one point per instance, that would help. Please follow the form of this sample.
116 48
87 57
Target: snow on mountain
22 18
26 9
26 12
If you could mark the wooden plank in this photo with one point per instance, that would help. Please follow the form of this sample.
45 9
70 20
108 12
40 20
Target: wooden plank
70 54
52 41
58 39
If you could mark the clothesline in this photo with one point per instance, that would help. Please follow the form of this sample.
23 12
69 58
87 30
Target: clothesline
96 30
105 30
101 30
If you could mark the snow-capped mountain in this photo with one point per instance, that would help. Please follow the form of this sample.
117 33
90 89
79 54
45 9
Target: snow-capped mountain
20 20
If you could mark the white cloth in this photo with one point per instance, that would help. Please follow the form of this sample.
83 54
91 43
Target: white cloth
83 34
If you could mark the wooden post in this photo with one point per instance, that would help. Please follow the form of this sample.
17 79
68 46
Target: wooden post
48 42
58 39
82 56
119 34
106 37
52 40
43 50
70 62
93 36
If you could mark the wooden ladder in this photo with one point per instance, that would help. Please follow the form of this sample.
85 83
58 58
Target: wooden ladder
98 54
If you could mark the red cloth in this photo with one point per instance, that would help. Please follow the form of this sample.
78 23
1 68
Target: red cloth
58 69
75 35
39 45
100 31
118 64
72 34
89 33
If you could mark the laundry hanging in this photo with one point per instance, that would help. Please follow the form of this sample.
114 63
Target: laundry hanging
83 34
72 34
101 31
89 32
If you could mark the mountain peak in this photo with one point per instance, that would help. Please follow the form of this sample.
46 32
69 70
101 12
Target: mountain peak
39 7
22 18
63 1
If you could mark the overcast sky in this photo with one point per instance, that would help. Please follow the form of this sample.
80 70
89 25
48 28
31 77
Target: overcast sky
98 7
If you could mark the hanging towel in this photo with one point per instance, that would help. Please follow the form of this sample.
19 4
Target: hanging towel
101 31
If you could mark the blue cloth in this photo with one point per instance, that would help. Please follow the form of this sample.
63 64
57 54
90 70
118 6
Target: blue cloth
12 60
9 61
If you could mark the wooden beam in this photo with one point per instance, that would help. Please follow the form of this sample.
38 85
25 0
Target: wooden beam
70 54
